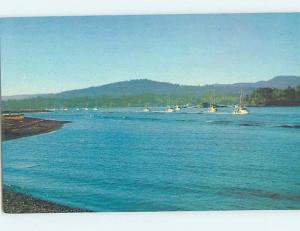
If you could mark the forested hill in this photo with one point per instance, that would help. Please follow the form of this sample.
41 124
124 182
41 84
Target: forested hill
145 86
149 87
259 97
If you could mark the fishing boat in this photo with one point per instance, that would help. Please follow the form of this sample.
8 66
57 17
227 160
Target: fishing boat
177 108
146 109
240 109
169 109
212 108
187 105
212 105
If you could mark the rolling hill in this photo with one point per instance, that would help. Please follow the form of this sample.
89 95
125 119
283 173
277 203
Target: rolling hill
145 86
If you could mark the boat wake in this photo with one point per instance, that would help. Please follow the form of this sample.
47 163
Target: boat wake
287 125
129 118
23 166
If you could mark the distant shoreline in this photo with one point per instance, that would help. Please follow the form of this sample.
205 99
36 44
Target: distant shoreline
142 106
16 202
25 111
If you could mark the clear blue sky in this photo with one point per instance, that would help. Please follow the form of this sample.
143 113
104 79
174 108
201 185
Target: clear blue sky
52 54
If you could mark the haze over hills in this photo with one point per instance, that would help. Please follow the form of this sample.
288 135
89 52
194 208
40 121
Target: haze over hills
145 86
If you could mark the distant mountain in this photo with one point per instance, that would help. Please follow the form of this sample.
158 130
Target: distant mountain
19 97
280 82
276 82
131 87
145 86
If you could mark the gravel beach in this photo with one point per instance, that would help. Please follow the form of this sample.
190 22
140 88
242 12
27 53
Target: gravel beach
14 202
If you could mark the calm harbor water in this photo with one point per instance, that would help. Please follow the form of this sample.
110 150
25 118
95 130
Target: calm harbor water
128 160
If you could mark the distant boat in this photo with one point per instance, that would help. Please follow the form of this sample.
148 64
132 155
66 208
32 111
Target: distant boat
65 109
240 109
95 109
146 109
212 106
169 109
77 109
86 109
187 105
177 108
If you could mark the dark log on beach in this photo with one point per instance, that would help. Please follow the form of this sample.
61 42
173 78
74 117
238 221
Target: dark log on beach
17 128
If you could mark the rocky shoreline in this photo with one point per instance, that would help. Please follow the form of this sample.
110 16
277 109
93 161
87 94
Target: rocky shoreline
15 202
27 126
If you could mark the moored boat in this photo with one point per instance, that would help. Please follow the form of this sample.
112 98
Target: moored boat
212 108
146 109
177 108
240 109
169 109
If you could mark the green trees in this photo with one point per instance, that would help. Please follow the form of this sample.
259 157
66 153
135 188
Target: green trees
114 101
259 97
275 97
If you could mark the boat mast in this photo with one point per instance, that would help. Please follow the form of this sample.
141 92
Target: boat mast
214 97
241 97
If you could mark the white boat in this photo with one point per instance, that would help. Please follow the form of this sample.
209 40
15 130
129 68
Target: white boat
146 109
86 109
212 108
186 105
95 109
240 109
177 108
169 109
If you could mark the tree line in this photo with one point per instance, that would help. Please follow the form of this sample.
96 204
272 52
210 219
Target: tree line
259 97
114 101
275 97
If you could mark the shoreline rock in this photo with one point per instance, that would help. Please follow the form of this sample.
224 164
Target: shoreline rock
17 128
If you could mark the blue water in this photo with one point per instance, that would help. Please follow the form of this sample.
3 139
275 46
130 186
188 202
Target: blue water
128 160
